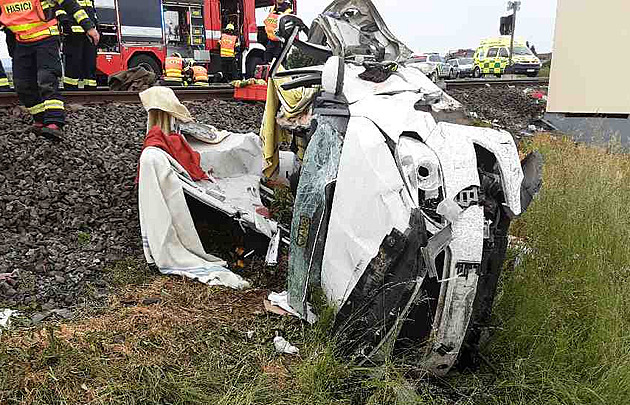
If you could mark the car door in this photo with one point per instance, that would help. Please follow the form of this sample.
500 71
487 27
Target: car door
490 62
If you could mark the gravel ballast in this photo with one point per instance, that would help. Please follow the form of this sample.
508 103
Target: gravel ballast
69 210
507 107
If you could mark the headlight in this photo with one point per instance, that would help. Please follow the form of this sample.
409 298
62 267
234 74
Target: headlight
420 168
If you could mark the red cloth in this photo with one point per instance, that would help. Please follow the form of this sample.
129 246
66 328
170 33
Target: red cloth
176 146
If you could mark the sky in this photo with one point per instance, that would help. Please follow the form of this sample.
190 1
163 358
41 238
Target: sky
443 25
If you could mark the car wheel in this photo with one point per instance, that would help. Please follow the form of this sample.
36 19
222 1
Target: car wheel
147 62
477 72
498 75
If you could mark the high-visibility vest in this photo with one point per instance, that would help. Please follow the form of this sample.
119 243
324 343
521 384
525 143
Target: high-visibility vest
174 67
27 19
228 43
271 26
200 74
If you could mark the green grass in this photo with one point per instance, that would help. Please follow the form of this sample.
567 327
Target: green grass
562 317
565 312
545 70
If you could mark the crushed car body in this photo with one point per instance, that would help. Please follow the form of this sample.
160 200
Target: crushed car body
401 213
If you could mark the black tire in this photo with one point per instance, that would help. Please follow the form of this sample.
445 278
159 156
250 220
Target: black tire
477 73
250 67
147 62
498 75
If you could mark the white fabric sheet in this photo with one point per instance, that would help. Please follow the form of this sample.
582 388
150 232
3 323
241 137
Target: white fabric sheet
168 232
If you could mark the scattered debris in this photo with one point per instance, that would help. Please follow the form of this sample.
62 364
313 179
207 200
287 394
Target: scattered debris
5 318
283 346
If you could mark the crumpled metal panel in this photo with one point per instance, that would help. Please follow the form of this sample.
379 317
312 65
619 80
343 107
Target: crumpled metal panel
365 19
458 294
318 173
457 157
395 114
366 207
502 146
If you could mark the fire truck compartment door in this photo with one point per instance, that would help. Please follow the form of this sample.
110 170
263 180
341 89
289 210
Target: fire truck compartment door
140 21
106 11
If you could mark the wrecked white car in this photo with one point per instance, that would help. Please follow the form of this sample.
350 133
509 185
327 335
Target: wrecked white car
401 213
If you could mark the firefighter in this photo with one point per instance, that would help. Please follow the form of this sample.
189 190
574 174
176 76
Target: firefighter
228 43
274 46
36 59
200 76
79 50
173 72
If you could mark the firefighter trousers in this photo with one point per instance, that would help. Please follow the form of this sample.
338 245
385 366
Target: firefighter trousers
36 73
4 80
228 66
272 51
80 55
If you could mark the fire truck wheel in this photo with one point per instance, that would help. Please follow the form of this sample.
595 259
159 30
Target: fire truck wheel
146 62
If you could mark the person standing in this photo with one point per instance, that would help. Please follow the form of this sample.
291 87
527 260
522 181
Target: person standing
228 44
79 50
274 46
36 59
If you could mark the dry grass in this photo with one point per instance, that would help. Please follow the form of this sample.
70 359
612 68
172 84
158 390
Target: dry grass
562 317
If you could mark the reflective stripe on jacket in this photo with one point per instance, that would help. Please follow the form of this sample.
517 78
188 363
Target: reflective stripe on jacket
173 67
34 20
228 44
271 26
27 19
200 74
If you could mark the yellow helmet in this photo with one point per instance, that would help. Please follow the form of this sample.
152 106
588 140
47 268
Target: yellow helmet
229 27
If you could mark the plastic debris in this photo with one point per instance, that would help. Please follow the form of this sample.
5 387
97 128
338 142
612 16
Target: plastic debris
283 346
5 318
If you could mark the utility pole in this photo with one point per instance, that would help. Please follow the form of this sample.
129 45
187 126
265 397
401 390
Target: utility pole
513 6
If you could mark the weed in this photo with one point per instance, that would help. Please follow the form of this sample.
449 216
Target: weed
84 238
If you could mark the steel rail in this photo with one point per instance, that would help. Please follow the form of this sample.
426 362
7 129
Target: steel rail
110 96
537 81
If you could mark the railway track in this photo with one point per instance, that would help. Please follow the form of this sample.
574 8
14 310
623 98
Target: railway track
536 81
225 92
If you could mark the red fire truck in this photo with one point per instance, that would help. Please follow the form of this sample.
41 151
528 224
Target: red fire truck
145 32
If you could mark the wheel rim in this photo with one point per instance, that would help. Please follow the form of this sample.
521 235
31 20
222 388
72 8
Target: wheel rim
147 67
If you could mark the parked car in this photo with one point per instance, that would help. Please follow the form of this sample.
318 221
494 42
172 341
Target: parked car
464 66
434 66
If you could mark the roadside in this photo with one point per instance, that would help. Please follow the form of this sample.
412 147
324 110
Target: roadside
562 322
